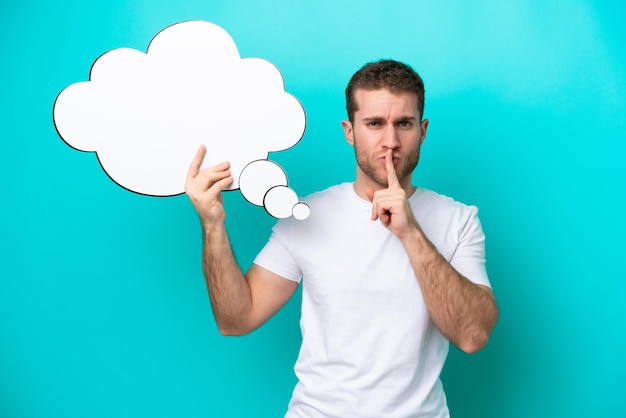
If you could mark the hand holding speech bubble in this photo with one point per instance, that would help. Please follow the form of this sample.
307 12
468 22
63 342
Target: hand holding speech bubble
146 114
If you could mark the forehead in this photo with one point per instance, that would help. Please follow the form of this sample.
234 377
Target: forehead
382 102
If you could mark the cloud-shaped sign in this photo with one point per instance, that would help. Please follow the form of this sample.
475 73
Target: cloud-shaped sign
146 114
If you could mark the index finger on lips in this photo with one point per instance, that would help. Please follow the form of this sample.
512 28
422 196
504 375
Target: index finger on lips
392 177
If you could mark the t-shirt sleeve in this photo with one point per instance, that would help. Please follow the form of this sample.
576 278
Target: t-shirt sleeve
277 255
469 257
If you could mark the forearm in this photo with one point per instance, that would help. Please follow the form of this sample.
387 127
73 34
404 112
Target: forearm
228 289
464 312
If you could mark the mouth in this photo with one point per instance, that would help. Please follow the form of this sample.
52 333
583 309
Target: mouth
383 160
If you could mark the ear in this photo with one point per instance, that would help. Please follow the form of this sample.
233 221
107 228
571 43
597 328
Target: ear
424 127
348 131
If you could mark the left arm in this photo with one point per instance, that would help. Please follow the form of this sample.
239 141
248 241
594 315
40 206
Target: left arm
464 312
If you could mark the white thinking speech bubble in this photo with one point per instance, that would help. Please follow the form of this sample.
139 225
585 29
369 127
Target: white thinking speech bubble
146 114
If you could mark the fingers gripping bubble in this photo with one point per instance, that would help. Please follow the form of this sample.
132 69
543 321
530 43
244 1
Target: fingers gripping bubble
264 183
146 114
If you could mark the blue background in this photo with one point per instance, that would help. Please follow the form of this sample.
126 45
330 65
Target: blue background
103 309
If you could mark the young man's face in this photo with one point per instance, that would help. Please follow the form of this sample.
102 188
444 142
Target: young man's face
385 120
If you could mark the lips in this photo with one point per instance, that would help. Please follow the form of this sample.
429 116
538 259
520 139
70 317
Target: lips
396 160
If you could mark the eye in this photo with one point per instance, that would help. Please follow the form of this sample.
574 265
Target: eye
405 124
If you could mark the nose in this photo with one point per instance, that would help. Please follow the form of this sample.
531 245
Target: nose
390 137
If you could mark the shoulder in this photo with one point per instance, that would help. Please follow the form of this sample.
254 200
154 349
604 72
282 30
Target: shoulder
432 205
426 197
453 227
339 191
328 200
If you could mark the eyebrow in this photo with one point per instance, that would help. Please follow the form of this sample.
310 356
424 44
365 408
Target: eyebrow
380 118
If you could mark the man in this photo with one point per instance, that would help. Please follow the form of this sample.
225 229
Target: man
390 272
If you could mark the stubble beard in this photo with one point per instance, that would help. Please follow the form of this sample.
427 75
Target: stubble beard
370 165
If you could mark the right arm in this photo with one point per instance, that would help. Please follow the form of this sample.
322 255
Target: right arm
241 303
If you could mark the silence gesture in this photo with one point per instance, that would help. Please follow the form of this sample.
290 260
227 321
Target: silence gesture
390 205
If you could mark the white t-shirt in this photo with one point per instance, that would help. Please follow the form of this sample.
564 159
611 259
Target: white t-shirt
369 347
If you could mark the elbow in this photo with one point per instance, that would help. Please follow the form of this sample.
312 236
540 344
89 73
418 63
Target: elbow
232 330
477 339
475 344
229 332
232 325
